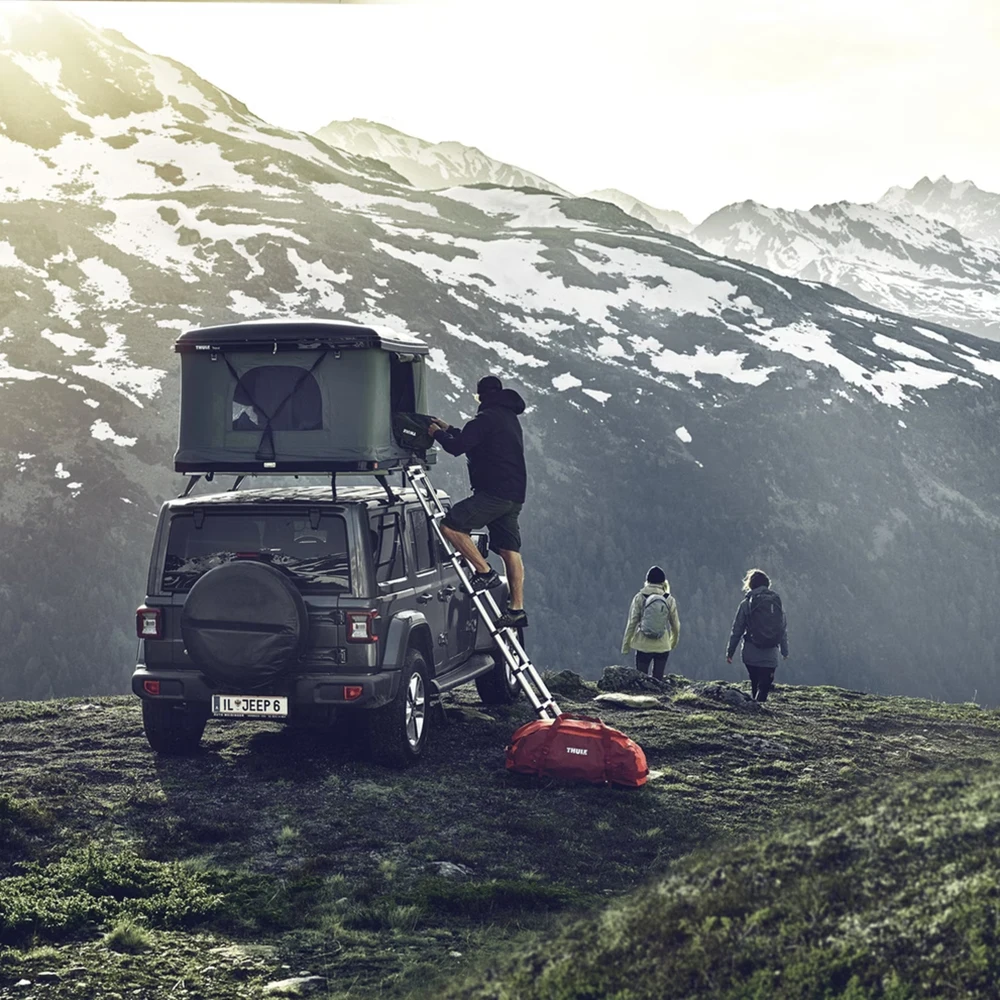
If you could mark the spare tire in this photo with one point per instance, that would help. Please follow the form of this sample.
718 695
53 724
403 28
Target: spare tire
244 624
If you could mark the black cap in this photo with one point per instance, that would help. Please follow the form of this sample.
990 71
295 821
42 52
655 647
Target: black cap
488 385
655 575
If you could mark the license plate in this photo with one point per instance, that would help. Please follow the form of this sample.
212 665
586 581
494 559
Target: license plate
247 706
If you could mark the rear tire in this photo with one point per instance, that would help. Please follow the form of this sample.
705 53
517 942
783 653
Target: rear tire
173 728
499 686
398 731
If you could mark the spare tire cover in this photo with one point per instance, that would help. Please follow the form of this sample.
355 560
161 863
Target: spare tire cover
244 623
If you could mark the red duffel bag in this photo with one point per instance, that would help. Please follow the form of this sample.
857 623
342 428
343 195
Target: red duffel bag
577 748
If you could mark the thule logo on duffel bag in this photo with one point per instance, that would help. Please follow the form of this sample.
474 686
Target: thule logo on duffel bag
577 750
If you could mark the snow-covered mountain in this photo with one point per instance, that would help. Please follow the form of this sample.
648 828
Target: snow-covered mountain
659 218
687 409
428 165
906 263
963 206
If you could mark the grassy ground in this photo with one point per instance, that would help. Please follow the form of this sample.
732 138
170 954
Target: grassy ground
277 853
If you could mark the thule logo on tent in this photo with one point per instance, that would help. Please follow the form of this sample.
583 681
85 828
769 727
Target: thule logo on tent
577 750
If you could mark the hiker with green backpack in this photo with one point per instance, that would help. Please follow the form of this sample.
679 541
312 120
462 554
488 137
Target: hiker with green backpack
761 624
653 626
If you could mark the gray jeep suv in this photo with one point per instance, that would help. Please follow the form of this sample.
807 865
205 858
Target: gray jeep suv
291 604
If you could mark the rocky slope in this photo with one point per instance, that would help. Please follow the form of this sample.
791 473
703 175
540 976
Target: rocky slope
684 408
429 165
904 262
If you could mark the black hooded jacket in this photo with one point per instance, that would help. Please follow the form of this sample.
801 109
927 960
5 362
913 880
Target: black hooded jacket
494 445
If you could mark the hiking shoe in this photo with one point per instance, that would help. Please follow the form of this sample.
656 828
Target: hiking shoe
485 581
513 619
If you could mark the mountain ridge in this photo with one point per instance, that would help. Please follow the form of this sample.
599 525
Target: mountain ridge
971 210
668 220
428 165
906 263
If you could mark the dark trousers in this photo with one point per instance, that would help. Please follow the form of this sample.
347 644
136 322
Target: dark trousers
761 679
658 660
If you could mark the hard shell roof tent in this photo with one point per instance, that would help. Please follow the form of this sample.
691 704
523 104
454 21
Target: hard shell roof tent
291 396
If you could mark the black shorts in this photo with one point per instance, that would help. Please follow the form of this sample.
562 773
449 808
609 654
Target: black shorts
484 510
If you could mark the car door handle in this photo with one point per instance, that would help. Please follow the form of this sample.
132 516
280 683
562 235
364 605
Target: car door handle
444 594
424 598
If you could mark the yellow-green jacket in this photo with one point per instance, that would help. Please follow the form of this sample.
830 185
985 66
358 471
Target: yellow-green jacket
634 639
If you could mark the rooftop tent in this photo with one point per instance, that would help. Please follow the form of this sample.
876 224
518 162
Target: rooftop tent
290 396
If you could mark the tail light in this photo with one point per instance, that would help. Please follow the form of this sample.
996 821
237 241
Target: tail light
148 623
353 691
361 626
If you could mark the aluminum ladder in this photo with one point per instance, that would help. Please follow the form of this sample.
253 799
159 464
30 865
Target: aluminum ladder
506 638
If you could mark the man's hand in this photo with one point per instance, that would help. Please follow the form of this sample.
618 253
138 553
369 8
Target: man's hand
440 424
729 659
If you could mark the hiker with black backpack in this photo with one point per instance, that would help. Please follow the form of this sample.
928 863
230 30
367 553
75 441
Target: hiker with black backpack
653 626
760 622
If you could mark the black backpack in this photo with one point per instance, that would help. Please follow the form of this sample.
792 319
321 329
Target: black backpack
765 619
411 431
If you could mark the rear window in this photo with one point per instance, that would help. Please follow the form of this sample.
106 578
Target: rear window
315 557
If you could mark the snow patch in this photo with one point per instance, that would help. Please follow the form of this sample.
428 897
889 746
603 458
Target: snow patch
728 364
502 349
246 305
684 434
907 350
608 347
111 366
601 397
101 430
315 276
565 381
108 284
9 371
806 341
67 343
60 472
932 334
437 361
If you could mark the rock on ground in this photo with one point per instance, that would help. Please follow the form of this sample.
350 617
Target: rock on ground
297 986
630 680
727 695
568 684
620 699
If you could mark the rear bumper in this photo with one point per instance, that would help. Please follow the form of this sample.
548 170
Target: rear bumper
302 690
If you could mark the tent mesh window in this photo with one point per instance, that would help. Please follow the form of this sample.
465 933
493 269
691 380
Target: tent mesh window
287 395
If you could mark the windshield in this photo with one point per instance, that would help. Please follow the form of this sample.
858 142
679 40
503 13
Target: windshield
314 557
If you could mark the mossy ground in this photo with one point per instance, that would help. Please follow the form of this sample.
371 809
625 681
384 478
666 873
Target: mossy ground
276 852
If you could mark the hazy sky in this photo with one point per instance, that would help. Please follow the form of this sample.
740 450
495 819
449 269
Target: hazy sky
686 105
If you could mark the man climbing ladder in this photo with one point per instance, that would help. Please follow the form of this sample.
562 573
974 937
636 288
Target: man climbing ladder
494 446
508 644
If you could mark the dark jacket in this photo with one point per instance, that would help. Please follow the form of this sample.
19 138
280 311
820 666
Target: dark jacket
494 445
754 656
